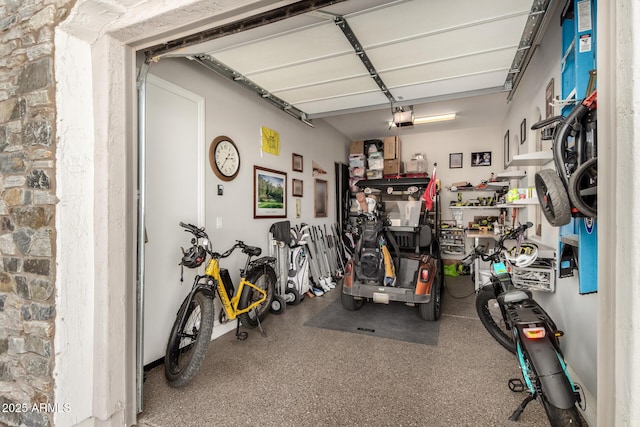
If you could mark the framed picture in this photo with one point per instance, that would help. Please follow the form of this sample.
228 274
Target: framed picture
269 193
455 160
320 198
548 98
296 162
296 187
523 131
507 160
481 158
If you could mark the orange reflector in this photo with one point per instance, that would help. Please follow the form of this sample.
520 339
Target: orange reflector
534 333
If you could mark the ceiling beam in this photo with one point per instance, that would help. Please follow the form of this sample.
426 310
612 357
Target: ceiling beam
342 23
298 8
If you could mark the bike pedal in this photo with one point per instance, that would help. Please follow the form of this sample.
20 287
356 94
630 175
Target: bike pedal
516 385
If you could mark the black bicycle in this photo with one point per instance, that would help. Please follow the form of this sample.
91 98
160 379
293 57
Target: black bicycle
191 332
572 188
522 326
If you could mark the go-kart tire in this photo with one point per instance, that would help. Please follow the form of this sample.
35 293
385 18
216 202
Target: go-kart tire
349 302
553 198
278 305
430 311
583 188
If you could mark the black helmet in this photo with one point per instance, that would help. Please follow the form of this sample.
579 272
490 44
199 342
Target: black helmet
194 256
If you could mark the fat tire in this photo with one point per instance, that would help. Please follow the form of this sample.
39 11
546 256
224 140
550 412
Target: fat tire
483 299
179 376
553 198
430 311
264 277
580 180
349 302
562 417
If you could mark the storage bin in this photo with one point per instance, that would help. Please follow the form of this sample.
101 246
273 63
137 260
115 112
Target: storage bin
534 278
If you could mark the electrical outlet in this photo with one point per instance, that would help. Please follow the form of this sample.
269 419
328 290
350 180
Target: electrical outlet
219 222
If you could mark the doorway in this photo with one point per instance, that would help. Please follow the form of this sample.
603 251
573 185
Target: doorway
175 161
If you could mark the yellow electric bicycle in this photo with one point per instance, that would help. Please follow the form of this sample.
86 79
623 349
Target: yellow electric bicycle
191 332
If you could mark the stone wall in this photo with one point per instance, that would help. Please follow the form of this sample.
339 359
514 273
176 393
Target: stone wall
27 209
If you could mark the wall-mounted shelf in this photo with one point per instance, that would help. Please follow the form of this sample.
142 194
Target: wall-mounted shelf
520 203
474 207
497 185
512 174
537 158
471 189
511 205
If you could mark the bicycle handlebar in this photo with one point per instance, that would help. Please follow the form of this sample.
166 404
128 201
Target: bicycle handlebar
547 122
493 256
198 232
238 244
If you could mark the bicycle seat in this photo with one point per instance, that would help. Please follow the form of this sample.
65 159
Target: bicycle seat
252 250
509 297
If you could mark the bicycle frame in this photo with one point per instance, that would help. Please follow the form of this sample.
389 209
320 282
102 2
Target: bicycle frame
231 304
212 279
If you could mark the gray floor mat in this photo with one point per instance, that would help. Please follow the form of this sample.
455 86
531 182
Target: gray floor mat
395 321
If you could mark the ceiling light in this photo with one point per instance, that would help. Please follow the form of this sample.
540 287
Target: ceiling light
432 119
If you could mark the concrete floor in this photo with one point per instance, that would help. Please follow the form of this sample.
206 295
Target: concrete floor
304 376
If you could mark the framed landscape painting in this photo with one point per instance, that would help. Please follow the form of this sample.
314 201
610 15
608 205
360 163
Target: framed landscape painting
269 193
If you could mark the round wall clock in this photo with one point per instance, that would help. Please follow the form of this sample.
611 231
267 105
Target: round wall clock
224 158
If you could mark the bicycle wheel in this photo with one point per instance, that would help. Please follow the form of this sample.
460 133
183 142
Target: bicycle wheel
189 340
553 198
583 188
264 278
562 417
491 317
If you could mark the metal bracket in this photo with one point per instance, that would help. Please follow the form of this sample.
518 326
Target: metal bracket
232 75
360 52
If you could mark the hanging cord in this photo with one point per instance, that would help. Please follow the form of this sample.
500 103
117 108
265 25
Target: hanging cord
446 287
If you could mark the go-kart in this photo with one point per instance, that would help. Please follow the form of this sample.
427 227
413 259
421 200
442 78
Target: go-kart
394 257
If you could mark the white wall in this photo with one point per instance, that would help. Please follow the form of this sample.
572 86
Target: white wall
239 114
437 145
573 313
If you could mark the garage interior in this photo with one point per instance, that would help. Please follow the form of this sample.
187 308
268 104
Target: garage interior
345 66
488 103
